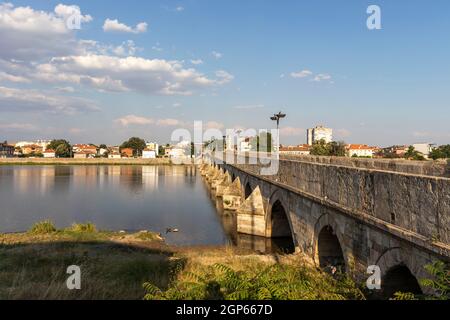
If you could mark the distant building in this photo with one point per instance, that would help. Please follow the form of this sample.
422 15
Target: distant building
41 143
127 153
424 148
114 155
153 146
50 153
319 133
32 149
301 150
85 155
6 150
148 154
360 150
394 151
87 148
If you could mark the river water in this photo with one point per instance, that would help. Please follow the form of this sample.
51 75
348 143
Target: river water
129 198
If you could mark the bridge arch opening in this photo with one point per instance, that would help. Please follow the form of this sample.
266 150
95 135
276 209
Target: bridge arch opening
330 252
399 279
248 190
233 177
280 229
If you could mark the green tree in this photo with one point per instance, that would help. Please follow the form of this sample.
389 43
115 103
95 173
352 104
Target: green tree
103 146
62 148
413 154
320 148
337 149
442 152
137 144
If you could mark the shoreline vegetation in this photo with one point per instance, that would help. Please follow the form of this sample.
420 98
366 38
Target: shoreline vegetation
95 161
136 266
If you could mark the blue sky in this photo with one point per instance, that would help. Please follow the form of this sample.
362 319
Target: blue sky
231 64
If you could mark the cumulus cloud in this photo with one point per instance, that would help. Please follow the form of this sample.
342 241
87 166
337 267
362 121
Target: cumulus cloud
12 78
217 55
34 35
213 125
322 77
197 62
118 74
307 74
134 120
223 77
25 100
116 26
301 74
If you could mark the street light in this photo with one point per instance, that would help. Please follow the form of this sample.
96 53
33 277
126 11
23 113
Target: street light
277 118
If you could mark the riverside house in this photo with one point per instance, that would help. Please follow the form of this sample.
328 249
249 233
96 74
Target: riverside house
6 150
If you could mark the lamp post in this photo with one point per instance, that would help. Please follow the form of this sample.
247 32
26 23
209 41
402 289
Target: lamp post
277 118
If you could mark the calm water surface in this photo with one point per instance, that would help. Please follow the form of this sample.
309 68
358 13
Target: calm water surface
130 198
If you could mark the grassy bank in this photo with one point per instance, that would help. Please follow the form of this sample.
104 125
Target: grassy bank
117 265
71 161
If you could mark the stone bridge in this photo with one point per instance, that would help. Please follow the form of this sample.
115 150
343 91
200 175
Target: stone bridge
345 213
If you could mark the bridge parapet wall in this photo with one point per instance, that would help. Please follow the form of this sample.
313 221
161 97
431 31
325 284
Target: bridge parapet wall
417 203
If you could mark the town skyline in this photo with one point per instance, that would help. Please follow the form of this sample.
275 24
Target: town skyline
146 69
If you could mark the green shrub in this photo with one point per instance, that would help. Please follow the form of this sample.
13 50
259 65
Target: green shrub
277 282
43 227
83 228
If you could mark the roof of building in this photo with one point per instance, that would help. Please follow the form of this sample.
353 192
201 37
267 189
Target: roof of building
49 151
295 148
359 147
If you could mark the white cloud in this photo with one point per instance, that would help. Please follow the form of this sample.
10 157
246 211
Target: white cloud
65 89
301 74
67 12
34 35
292 132
12 78
17 127
169 123
134 120
127 48
116 74
197 62
116 26
217 55
25 100
224 77
322 77
179 9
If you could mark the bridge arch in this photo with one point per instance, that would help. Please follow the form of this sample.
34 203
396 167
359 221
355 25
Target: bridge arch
400 272
279 225
329 251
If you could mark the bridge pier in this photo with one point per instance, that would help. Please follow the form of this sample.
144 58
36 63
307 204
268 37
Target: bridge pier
251 215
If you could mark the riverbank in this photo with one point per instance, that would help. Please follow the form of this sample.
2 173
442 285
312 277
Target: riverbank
84 162
116 265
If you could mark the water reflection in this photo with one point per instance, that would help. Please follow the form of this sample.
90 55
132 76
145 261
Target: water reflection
249 242
130 198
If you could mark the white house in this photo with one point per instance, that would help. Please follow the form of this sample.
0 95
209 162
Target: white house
359 150
148 154
49 153
114 155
